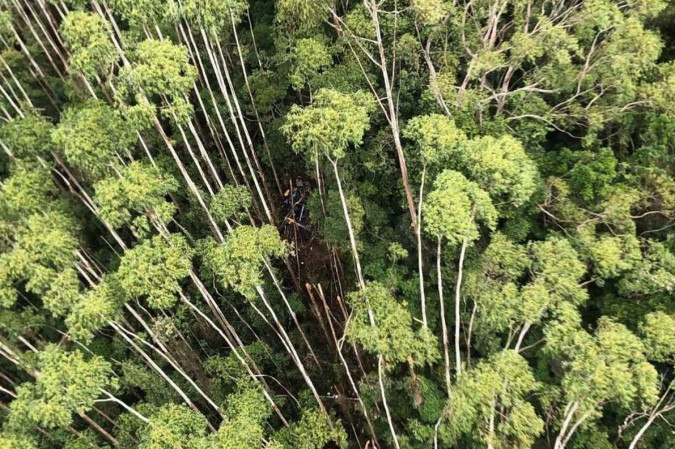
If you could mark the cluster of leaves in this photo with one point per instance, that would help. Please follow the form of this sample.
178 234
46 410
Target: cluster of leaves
66 383
237 262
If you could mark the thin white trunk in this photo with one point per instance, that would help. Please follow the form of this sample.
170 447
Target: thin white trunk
643 429
350 229
418 232
124 405
189 181
392 116
569 414
291 312
380 376
444 325
458 318
294 353
221 83
154 366
164 353
240 115
255 376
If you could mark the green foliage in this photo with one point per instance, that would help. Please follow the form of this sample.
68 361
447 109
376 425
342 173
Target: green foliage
392 335
612 255
230 202
439 140
138 376
592 175
492 280
332 123
430 11
244 424
268 88
332 224
63 292
66 383
159 68
29 136
556 266
659 339
497 390
218 16
609 366
237 262
28 190
174 427
154 270
87 36
16 442
43 256
501 167
453 207
94 310
140 189
83 440
309 56
300 15
314 430
92 135
142 12
655 275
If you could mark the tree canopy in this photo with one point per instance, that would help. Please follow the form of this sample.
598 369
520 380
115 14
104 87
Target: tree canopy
305 224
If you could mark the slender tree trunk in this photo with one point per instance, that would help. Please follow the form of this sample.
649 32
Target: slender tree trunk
643 429
124 405
350 229
521 336
189 181
418 233
291 348
93 424
458 318
221 83
291 312
562 435
338 349
444 325
255 109
256 376
372 7
157 369
380 376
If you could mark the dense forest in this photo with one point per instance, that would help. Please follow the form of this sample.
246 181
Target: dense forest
318 224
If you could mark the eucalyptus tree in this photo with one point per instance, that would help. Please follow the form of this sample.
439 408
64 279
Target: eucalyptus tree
42 256
65 384
439 143
452 211
598 371
92 135
160 71
140 304
489 405
27 137
87 37
327 128
136 197
238 262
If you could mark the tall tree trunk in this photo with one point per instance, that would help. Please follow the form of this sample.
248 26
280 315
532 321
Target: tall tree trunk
418 233
458 318
444 325
392 116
